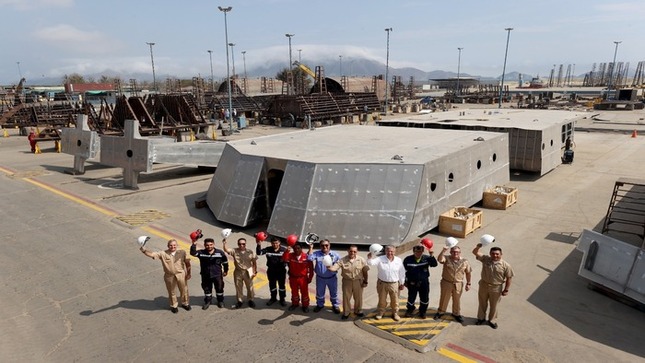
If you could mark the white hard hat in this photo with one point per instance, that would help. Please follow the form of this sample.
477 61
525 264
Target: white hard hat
226 232
312 238
327 261
451 242
142 240
486 239
375 248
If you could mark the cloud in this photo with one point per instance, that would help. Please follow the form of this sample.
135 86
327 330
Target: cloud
125 65
319 52
70 38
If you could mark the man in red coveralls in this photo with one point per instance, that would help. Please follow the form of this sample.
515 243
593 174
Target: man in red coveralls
301 272
32 140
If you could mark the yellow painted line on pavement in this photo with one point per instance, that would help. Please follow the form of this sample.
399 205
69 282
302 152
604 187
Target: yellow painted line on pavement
73 198
6 171
454 356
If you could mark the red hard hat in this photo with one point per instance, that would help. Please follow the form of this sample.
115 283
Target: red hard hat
292 239
194 236
427 243
261 236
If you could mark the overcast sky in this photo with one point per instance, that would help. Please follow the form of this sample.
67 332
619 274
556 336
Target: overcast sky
51 38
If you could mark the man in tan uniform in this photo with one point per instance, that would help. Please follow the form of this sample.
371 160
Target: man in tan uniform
354 279
245 261
495 283
455 268
176 267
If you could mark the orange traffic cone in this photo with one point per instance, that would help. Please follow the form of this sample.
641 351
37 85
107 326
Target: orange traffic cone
634 133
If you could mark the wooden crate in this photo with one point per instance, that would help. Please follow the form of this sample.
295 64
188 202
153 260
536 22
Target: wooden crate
460 221
500 197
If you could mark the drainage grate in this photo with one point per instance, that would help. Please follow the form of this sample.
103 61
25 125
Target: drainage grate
144 217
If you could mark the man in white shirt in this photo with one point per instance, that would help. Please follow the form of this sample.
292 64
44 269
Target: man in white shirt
391 279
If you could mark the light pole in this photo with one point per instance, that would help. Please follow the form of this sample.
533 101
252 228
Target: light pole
340 65
152 60
387 66
19 71
613 67
232 45
289 85
228 74
458 69
501 88
210 56
299 55
244 61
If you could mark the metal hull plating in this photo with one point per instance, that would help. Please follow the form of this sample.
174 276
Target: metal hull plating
536 137
355 184
614 264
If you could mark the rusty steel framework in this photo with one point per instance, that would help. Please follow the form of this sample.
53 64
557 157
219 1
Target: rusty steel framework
614 74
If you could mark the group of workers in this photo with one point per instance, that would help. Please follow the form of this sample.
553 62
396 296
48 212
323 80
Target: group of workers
393 275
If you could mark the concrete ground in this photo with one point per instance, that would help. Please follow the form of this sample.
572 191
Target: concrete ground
76 288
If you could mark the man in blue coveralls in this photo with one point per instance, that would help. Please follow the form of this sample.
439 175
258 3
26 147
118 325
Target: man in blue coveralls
417 276
325 279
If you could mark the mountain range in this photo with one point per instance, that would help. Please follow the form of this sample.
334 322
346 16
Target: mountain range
354 68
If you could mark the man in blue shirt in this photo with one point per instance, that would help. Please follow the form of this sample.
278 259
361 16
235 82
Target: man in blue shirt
325 279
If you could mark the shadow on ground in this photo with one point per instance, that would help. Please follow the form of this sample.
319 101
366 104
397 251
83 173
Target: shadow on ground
565 296
159 303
